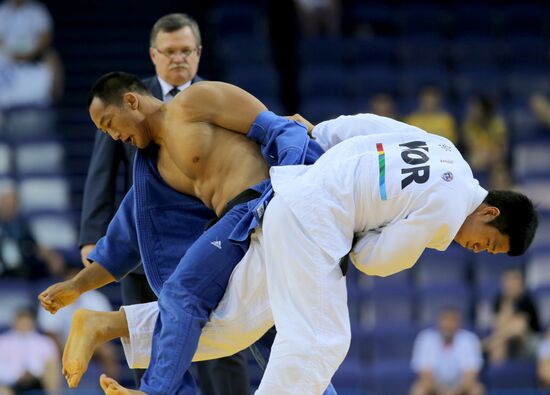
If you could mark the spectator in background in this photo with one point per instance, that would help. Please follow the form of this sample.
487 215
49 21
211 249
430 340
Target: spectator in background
540 106
319 17
431 116
383 104
28 359
31 68
58 326
486 140
447 359
20 255
515 322
543 361
175 50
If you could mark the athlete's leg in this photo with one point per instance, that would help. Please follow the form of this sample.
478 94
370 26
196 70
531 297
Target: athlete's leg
112 387
135 289
308 298
89 330
186 301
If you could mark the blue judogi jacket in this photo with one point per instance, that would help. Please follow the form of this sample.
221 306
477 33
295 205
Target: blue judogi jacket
158 224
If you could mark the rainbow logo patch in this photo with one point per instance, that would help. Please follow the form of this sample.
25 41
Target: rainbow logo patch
382 170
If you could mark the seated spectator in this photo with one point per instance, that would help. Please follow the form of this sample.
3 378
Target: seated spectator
383 104
515 321
28 360
543 361
447 359
486 140
20 255
59 325
31 70
431 116
540 106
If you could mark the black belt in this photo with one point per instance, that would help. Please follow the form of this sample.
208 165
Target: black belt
243 197
248 195
344 264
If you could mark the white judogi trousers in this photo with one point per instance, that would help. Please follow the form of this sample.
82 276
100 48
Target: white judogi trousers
286 280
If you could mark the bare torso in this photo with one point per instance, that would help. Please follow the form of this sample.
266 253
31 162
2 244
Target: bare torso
207 161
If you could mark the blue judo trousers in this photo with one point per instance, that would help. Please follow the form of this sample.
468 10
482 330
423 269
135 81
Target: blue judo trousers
189 268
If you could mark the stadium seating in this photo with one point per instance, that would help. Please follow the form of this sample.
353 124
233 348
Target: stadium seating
512 375
498 50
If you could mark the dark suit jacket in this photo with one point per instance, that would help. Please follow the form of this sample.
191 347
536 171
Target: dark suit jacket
99 201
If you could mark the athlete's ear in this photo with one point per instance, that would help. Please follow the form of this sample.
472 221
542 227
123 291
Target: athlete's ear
131 100
490 213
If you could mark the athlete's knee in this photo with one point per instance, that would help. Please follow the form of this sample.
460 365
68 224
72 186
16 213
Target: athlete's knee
329 352
334 349
180 303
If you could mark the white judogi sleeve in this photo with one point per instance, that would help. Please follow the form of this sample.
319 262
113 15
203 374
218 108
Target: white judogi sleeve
381 253
329 133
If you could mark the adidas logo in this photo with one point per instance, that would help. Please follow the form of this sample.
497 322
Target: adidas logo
217 244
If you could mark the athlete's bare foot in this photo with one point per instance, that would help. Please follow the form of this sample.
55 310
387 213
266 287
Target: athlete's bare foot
112 387
89 329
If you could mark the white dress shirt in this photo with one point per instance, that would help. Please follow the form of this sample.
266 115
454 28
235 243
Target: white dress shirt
24 352
447 362
166 88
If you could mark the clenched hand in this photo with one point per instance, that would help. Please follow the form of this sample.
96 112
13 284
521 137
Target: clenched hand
58 296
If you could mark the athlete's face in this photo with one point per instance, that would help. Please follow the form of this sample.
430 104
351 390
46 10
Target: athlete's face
176 56
477 235
122 122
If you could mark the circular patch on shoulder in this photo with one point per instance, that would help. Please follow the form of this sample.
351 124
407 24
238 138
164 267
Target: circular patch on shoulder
447 176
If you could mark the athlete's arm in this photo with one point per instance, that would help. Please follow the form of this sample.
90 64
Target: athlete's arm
117 251
399 245
329 133
221 104
66 292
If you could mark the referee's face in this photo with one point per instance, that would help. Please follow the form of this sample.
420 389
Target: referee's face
176 56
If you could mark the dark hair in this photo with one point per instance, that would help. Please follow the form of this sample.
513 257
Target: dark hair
450 308
488 109
25 311
111 87
487 106
172 22
518 218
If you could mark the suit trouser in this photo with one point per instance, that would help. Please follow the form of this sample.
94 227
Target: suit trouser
223 376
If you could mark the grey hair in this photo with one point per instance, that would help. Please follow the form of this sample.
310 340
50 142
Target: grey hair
172 22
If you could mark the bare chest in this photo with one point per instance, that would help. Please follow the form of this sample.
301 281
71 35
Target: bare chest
172 175
188 146
183 158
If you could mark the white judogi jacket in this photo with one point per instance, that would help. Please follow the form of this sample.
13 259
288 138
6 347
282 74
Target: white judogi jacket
395 185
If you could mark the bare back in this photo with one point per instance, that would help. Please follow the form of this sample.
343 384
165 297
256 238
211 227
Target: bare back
207 161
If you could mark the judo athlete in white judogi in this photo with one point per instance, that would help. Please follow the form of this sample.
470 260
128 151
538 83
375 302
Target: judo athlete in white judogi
383 193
